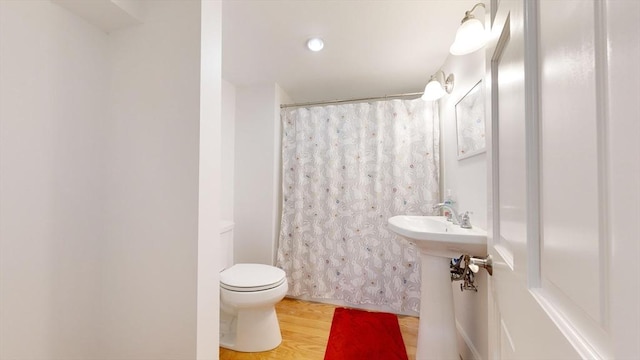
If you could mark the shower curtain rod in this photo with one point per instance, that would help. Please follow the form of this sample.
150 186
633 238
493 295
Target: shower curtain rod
330 102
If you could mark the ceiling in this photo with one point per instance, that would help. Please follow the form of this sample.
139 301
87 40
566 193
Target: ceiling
372 48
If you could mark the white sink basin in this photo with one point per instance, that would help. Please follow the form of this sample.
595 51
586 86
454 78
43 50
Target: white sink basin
436 236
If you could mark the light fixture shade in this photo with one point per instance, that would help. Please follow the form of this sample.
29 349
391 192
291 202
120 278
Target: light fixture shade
469 37
438 86
433 90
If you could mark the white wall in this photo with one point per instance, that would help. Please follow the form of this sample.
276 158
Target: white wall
228 149
467 179
257 167
53 87
99 183
152 210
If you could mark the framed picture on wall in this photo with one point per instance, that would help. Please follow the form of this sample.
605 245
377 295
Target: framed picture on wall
470 123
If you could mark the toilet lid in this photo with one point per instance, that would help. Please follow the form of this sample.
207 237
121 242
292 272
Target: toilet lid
251 277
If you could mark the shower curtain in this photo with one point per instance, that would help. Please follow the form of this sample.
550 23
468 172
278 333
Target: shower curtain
346 170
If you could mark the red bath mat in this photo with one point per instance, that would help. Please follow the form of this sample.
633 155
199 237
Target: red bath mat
363 335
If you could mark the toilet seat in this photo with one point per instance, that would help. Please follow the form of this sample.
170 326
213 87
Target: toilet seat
251 277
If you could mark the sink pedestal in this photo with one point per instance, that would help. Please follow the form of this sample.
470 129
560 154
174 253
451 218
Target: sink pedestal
437 328
438 241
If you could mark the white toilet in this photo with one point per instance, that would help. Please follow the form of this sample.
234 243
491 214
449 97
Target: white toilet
248 295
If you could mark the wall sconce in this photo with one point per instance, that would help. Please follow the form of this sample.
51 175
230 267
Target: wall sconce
470 35
438 86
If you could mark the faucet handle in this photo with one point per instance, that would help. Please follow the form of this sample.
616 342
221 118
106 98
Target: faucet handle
448 215
465 221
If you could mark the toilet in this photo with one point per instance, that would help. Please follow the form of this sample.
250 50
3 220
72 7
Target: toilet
248 295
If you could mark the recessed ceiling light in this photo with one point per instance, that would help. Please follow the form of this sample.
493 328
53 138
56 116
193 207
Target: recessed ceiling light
315 44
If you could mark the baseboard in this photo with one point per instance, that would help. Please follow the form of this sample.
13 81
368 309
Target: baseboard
469 351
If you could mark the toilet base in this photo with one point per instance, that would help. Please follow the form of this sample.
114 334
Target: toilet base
250 330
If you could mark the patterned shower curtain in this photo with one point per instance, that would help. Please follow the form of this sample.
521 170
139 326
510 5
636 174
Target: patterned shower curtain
346 170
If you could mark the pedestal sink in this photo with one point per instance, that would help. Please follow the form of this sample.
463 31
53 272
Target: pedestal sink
438 241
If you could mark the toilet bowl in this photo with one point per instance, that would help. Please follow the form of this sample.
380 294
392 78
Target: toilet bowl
248 295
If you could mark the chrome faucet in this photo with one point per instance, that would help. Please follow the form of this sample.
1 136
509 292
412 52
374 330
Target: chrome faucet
453 216
448 205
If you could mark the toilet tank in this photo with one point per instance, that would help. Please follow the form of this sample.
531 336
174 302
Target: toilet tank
226 244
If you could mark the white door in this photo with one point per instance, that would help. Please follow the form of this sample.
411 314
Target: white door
565 178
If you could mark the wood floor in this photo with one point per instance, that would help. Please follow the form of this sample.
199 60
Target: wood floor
305 331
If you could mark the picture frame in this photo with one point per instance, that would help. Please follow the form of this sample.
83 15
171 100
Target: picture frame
470 123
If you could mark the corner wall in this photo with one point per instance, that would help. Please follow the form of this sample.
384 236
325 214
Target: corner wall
257 172
151 250
209 187
227 150
467 179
